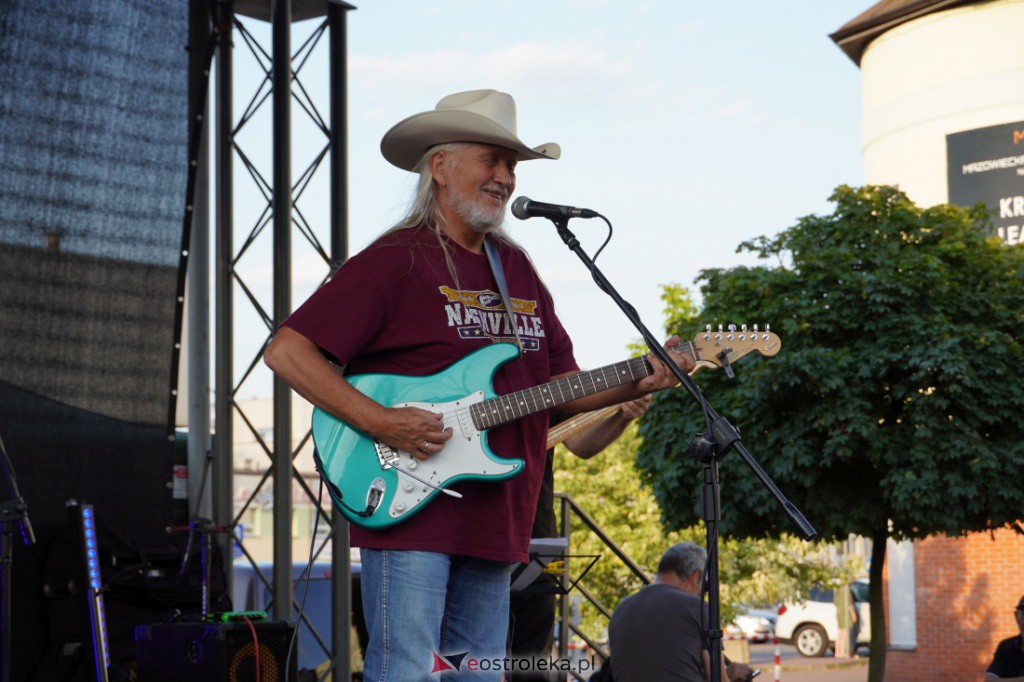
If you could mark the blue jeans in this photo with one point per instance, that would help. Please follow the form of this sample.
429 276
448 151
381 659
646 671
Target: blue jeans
430 612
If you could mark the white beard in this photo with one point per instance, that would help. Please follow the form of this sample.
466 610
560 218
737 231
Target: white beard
482 220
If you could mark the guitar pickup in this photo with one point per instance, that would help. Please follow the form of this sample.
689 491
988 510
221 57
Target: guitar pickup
465 423
463 416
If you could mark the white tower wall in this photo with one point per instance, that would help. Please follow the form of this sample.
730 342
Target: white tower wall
947 72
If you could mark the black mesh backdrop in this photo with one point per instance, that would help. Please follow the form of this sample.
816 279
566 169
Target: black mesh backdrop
93 146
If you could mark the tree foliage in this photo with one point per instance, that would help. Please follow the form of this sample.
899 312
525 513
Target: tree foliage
680 312
893 408
609 488
896 395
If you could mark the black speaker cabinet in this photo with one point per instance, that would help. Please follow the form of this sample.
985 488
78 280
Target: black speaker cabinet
223 652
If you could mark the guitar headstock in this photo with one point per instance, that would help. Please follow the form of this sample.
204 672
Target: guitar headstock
735 343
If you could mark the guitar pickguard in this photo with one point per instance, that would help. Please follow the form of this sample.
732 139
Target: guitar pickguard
462 456
365 477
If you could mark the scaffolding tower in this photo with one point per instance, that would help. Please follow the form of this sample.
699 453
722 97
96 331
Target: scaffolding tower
234 26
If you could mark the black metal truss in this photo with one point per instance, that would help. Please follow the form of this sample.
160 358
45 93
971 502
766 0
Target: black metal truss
230 150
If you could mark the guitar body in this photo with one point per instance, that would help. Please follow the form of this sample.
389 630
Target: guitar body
365 486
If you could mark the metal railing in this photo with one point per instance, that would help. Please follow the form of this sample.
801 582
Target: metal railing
571 513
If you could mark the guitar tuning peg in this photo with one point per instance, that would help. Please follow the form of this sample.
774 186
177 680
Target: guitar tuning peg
720 328
755 328
732 327
743 328
767 327
709 327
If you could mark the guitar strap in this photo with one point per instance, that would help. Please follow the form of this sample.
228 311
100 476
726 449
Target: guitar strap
499 276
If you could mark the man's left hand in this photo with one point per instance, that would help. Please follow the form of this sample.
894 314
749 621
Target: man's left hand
661 377
634 409
738 672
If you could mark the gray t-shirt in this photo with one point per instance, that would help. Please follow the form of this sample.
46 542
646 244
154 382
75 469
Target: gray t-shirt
654 635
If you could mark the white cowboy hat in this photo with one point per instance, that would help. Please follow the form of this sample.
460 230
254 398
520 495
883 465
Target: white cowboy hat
485 116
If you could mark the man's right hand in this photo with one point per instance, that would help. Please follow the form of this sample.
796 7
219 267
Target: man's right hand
413 430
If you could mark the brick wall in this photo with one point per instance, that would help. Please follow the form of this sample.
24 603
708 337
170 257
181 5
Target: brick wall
966 590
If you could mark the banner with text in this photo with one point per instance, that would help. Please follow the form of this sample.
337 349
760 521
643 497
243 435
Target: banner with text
987 165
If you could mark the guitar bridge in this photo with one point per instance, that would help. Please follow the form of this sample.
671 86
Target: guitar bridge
387 455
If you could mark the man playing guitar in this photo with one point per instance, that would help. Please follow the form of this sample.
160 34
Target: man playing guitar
414 302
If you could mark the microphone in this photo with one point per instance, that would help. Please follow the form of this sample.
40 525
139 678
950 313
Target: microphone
524 208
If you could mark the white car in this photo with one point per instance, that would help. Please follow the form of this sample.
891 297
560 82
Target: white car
757 625
812 626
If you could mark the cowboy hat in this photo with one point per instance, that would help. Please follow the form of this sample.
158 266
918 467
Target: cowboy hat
485 116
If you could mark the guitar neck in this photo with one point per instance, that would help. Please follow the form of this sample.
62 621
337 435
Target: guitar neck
570 427
506 408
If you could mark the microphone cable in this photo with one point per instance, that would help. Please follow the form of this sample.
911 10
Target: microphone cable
606 240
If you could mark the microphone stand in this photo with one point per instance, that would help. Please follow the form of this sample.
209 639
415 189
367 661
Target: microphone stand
708 447
13 510
205 528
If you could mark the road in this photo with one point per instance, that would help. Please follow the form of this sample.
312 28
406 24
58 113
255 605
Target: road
797 668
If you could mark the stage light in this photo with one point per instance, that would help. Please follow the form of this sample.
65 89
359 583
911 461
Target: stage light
83 525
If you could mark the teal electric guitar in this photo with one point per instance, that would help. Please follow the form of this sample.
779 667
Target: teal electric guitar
376 486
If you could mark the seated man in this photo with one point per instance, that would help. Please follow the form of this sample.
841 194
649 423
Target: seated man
655 635
1008 660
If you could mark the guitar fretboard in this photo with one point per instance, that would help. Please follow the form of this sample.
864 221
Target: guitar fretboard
506 408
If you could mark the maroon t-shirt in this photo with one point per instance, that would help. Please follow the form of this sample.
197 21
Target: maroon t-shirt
395 308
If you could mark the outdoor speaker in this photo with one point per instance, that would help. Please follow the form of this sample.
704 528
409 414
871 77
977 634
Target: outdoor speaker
221 652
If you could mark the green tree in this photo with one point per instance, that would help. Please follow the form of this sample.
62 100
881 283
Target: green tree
609 488
893 408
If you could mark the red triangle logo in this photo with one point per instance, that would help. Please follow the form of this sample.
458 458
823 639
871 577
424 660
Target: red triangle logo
440 664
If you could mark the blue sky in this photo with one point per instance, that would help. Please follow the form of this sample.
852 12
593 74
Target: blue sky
691 126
